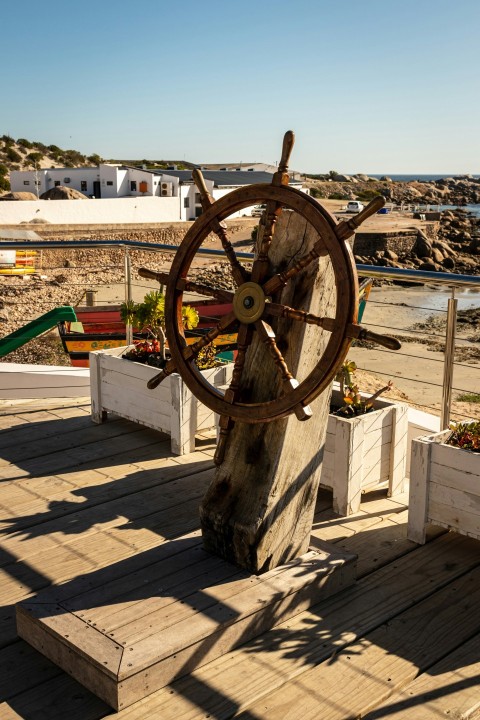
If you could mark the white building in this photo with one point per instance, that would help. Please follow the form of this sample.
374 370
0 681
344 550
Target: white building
115 182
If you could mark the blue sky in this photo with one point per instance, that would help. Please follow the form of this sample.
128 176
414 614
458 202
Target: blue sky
367 86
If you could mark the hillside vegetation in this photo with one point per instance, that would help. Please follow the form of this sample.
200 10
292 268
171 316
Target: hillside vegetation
23 154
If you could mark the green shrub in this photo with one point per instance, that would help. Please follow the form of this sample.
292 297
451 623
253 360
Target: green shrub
368 194
34 157
338 196
40 146
8 140
75 157
469 397
4 184
316 192
94 159
13 155
24 143
3 169
55 149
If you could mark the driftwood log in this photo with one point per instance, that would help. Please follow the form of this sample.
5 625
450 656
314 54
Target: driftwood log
258 511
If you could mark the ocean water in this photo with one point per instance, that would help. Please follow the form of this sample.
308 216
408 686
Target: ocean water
474 209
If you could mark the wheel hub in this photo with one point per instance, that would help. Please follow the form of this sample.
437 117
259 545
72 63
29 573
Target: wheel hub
249 302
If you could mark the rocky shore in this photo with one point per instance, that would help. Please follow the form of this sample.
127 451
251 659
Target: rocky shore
460 190
451 245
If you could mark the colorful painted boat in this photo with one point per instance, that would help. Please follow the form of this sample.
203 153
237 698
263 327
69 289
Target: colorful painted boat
101 328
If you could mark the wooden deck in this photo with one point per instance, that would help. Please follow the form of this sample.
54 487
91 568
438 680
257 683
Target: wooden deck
403 643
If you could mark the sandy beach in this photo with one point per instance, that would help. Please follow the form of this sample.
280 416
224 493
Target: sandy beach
417 369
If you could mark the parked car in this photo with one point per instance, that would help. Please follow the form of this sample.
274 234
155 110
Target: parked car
257 210
354 206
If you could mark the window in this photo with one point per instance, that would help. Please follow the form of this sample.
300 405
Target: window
26 182
37 182
198 199
57 183
66 180
109 182
83 185
186 202
133 185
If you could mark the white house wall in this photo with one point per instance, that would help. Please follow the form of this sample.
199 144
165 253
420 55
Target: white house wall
85 212
220 192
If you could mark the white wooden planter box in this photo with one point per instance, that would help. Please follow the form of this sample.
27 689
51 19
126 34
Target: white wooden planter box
367 452
120 386
444 488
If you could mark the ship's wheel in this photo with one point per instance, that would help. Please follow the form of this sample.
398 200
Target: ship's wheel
253 300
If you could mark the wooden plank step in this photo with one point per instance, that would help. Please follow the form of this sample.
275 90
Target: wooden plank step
449 689
261 667
363 675
103 553
224 685
237 607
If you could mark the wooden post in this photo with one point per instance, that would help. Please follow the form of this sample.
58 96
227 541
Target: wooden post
258 511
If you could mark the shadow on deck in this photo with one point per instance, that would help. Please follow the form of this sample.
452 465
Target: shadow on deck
79 503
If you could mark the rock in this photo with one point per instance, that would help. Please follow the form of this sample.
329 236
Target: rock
470 263
342 178
437 256
448 263
362 178
430 266
390 255
423 246
444 247
63 193
474 246
19 196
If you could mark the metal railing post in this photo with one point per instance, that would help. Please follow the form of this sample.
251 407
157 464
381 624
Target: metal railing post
90 298
448 361
128 292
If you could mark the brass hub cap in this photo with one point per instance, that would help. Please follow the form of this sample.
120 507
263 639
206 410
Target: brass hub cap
249 302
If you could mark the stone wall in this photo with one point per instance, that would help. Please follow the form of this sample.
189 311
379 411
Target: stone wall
368 243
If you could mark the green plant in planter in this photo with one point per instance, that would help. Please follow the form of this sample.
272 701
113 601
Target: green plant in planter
355 404
465 435
149 317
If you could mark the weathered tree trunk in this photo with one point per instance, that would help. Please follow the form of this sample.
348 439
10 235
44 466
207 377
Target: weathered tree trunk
258 511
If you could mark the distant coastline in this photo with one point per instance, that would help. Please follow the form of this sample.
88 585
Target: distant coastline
419 178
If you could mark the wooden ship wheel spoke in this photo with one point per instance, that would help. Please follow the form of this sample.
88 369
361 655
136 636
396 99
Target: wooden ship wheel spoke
260 300
240 275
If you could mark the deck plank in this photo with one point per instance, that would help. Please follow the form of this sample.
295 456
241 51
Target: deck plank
450 688
369 670
263 667
40 500
395 578
52 453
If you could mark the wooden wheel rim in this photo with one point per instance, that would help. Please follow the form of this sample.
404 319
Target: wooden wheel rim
346 311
